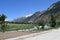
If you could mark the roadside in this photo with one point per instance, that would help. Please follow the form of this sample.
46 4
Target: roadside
7 35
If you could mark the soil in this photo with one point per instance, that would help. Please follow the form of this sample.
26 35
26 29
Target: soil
7 35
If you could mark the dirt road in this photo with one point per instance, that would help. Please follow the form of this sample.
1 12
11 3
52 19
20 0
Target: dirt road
7 35
53 34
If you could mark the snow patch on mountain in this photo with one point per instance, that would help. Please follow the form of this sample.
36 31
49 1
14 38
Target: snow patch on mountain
29 15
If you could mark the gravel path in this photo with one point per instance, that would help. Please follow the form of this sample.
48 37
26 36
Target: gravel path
51 35
46 35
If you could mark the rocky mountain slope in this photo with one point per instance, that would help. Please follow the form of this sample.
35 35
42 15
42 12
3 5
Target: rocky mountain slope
44 15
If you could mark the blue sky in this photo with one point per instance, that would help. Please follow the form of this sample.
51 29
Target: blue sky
17 8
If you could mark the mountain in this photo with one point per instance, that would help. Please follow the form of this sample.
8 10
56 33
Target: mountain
44 15
22 19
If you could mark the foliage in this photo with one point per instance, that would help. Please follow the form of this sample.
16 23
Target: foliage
41 23
2 22
52 21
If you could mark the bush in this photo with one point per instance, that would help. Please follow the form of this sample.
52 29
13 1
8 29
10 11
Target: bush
41 23
52 21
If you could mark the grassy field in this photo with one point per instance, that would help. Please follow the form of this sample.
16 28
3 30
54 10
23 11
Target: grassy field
14 27
19 26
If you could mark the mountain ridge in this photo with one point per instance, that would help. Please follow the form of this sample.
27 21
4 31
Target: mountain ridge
44 15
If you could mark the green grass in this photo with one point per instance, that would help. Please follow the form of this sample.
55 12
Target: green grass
0 30
12 27
19 26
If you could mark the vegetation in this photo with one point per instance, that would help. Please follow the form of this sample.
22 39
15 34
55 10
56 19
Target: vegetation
41 23
12 27
2 22
52 21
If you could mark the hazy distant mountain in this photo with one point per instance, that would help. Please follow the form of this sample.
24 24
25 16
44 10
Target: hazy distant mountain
22 19
44 15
